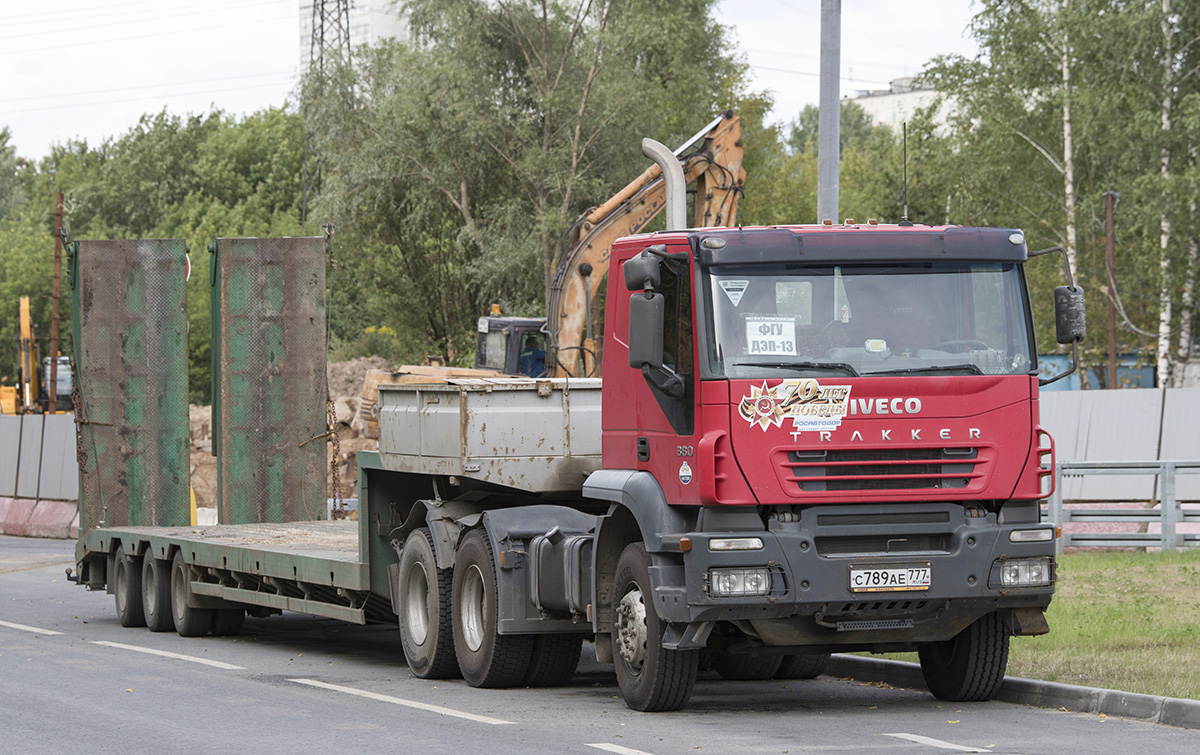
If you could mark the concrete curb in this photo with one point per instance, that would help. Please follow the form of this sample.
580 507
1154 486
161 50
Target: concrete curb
1169 711
51 519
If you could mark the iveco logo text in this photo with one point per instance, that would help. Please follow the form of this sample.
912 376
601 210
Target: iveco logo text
973 433
885 406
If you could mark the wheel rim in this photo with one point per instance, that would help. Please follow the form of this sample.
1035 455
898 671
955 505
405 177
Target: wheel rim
471 608
416 604
178 592
631 628
149 590
122 587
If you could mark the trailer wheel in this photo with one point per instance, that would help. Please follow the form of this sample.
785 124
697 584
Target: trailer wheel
425 610
802 666
555 658
651 677
156 594
127 589
746 668
189 622
485 657
228 622
970 666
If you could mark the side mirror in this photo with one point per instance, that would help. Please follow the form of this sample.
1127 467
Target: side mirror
646 316
642 269
1070 319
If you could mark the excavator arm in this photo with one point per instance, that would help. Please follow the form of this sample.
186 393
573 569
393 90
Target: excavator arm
27 354
716 168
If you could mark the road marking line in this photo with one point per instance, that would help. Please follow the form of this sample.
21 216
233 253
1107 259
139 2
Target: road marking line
35 630
618 749
165 654
917 739
401 701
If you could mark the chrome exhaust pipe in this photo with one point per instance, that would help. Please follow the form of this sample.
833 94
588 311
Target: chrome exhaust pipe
676 184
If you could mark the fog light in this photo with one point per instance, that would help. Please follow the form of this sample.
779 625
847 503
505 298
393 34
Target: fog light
1025 572
1040 535
725 583
735 544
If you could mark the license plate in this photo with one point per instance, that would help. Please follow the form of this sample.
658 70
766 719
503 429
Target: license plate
890 578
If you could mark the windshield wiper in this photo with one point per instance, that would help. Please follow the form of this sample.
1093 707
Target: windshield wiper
803 366
973 369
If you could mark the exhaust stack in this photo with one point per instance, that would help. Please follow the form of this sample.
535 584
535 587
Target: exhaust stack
676 184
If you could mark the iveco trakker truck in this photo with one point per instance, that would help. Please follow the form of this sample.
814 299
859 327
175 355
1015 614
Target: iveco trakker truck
807 440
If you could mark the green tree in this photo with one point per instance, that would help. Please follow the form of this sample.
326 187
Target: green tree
465 153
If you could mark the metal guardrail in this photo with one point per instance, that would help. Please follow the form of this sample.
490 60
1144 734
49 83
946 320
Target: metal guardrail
1168 513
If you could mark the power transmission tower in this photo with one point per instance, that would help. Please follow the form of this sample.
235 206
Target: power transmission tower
330 43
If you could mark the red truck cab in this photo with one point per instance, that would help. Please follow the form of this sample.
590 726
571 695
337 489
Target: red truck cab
829 438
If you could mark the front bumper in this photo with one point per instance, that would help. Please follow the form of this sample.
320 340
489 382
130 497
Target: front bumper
810 557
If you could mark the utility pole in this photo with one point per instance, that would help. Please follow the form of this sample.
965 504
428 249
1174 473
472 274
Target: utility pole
1110 201
52 389
330 43
829 122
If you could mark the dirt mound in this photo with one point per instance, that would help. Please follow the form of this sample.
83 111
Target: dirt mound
346 378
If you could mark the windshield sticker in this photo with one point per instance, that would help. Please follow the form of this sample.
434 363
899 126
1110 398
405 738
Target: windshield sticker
810 405
770 335
734 290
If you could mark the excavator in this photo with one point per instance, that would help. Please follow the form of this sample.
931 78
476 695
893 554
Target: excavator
29 395
563 343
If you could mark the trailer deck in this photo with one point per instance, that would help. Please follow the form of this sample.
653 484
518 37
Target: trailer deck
318 567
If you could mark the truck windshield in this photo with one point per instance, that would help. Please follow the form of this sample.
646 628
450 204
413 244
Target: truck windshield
918 318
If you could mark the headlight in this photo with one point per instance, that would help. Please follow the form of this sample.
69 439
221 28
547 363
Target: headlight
1026 572
1040 535
725 583
735 544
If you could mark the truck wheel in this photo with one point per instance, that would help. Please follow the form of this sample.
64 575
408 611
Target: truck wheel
970 666
802 666
485 657
156 594
425 610
127 589
746 668
555 658
651 677
228 622
189 622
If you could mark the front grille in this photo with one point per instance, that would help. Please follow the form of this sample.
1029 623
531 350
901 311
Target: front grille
857 545
882 469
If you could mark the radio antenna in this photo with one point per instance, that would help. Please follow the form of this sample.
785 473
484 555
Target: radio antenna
904 138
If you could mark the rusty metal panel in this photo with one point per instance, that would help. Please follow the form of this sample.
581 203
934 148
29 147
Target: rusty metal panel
269 378
130 304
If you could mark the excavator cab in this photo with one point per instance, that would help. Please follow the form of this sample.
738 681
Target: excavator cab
512 346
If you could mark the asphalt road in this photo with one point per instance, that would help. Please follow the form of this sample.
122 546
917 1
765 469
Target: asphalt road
73 680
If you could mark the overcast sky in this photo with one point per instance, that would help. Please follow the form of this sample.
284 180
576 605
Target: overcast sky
89 69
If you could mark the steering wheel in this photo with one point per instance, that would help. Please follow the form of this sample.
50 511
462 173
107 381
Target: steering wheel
961 345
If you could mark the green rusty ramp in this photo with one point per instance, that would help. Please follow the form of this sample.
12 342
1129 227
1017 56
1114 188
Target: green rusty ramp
129 299
269 412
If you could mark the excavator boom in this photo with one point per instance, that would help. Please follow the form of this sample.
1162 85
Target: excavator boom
716 168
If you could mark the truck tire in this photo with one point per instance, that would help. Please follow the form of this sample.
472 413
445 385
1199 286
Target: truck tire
802 666
555 658
156 594
970 666
189 622
485 657
227 622
127 589
746 668
651 677
425 610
